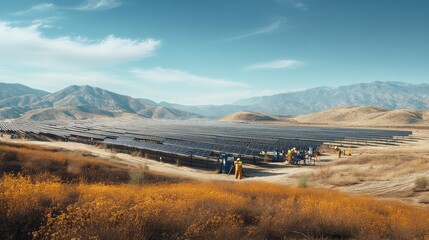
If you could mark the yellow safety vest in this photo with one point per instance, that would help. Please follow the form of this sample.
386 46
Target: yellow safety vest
238 164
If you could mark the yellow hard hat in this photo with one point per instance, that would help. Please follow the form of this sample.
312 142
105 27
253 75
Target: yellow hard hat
238 159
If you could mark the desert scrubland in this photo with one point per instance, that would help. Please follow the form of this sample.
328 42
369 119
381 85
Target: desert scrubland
50 192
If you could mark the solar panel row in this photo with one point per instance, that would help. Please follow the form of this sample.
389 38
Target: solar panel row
199 138
158 147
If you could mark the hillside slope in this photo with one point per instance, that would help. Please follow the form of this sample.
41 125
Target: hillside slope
65 113
247 117
388 95
9 90
84 102
366 116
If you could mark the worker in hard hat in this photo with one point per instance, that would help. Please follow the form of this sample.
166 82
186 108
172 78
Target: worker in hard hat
289 156
338 150
238 164
291 153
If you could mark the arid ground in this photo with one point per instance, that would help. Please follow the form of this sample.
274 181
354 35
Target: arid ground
387 171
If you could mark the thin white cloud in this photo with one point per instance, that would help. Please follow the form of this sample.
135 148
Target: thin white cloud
280 64
264 30
163 75
46 23
96 5
298 4
301 6
27 46
36 9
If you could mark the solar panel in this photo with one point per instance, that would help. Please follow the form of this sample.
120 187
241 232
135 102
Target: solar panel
200 137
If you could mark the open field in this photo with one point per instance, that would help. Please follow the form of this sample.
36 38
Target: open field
58 199
85 186
379 170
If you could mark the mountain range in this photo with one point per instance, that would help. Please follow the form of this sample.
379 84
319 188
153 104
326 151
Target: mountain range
79 102
86 102
388 95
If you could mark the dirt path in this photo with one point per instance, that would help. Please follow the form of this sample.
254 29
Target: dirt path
277 173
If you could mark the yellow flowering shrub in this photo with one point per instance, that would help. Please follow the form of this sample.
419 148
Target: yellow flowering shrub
51 200
191 210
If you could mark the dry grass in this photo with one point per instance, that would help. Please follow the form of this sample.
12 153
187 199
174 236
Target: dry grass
34 161
38 203
303 180
76 166
54 210
358 169
424 198
421 183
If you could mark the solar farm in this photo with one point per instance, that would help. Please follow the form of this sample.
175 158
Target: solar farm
197 143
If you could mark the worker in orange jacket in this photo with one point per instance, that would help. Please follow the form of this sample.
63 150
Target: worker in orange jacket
238 164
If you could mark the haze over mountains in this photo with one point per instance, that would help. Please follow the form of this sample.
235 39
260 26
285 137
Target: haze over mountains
85 102
388 95
81 102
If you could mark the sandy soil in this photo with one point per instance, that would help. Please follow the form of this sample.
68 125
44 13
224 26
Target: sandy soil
374 170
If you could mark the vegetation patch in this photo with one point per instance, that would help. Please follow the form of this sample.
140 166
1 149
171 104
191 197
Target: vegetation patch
59 198
421 183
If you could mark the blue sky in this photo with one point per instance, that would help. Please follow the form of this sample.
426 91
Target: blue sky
212 52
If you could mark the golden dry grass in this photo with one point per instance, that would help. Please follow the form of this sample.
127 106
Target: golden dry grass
54 210
356 169
48 207
36 162
424 198
76 166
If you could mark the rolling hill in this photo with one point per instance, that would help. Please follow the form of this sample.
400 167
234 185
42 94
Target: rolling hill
388 95
367 116
83 102
247 117
341 116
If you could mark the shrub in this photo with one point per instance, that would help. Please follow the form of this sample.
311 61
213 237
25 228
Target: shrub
44 207
67 166
114 157
303 180
424 199
54 210
421 183
137 176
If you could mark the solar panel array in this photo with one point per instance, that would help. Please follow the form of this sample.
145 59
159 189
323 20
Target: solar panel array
198 138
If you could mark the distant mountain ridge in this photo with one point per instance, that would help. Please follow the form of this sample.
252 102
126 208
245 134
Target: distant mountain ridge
11 90
388 95
82 102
